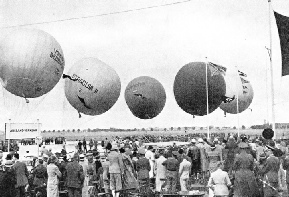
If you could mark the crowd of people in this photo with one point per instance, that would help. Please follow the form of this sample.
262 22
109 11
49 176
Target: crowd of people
235 166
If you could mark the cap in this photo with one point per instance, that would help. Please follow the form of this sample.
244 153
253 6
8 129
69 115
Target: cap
40 158
175 153
193 140
200 140
213 146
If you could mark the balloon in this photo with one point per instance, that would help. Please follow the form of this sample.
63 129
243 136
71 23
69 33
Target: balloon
145 97
268 133
92 87
31 63
190 88
237 87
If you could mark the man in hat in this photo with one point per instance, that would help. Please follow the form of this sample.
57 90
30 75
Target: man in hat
270 173
7 179
203 157
160 171
74 177
40 174
116 169
195 155
143 167
21 172
172 166
245 182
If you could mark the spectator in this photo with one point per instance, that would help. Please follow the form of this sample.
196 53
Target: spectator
53 175
84 145
143 167
40 174
116 169
219 181
74 177
21 176
184 173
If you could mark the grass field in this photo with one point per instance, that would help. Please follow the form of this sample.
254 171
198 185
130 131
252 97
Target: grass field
101 135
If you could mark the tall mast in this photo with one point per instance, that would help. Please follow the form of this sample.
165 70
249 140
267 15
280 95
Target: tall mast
271 73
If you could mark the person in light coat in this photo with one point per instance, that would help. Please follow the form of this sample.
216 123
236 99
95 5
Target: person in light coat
184 173
151 157
219 182
160 170
53 175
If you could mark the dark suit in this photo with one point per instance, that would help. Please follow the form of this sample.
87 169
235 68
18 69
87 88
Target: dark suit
74 179
40 175
21 178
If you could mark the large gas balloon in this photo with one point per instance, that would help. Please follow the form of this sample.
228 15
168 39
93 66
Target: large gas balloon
145 97
92 87
31 62
238 88
190 87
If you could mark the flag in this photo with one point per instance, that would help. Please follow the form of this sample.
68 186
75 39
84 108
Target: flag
244 80
283 30
242 74
217 69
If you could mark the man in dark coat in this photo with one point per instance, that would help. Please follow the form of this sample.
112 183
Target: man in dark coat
40 174
195 155
270 174
74 177
21 176
143 167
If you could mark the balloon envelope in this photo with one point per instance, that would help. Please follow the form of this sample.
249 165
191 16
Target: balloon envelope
237 87
190 88
31 62
94 87
145 97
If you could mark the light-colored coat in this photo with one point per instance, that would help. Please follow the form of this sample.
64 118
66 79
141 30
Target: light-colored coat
160 171
220 181
52 183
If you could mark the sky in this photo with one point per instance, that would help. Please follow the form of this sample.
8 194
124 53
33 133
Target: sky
153 42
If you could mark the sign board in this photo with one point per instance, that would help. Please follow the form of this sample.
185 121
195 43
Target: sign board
22 130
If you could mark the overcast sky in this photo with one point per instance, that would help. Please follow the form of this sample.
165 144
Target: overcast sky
154 42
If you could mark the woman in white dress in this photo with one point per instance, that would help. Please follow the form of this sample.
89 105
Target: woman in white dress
53 175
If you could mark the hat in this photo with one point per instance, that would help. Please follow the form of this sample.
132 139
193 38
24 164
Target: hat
200 140
40 158
53 159
270 147
8 163
243 145
216 140
193 140
88 154
141 151
150 147
213 146
175 153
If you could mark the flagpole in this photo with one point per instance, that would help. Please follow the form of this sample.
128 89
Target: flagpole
207 94
238 77
271 73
